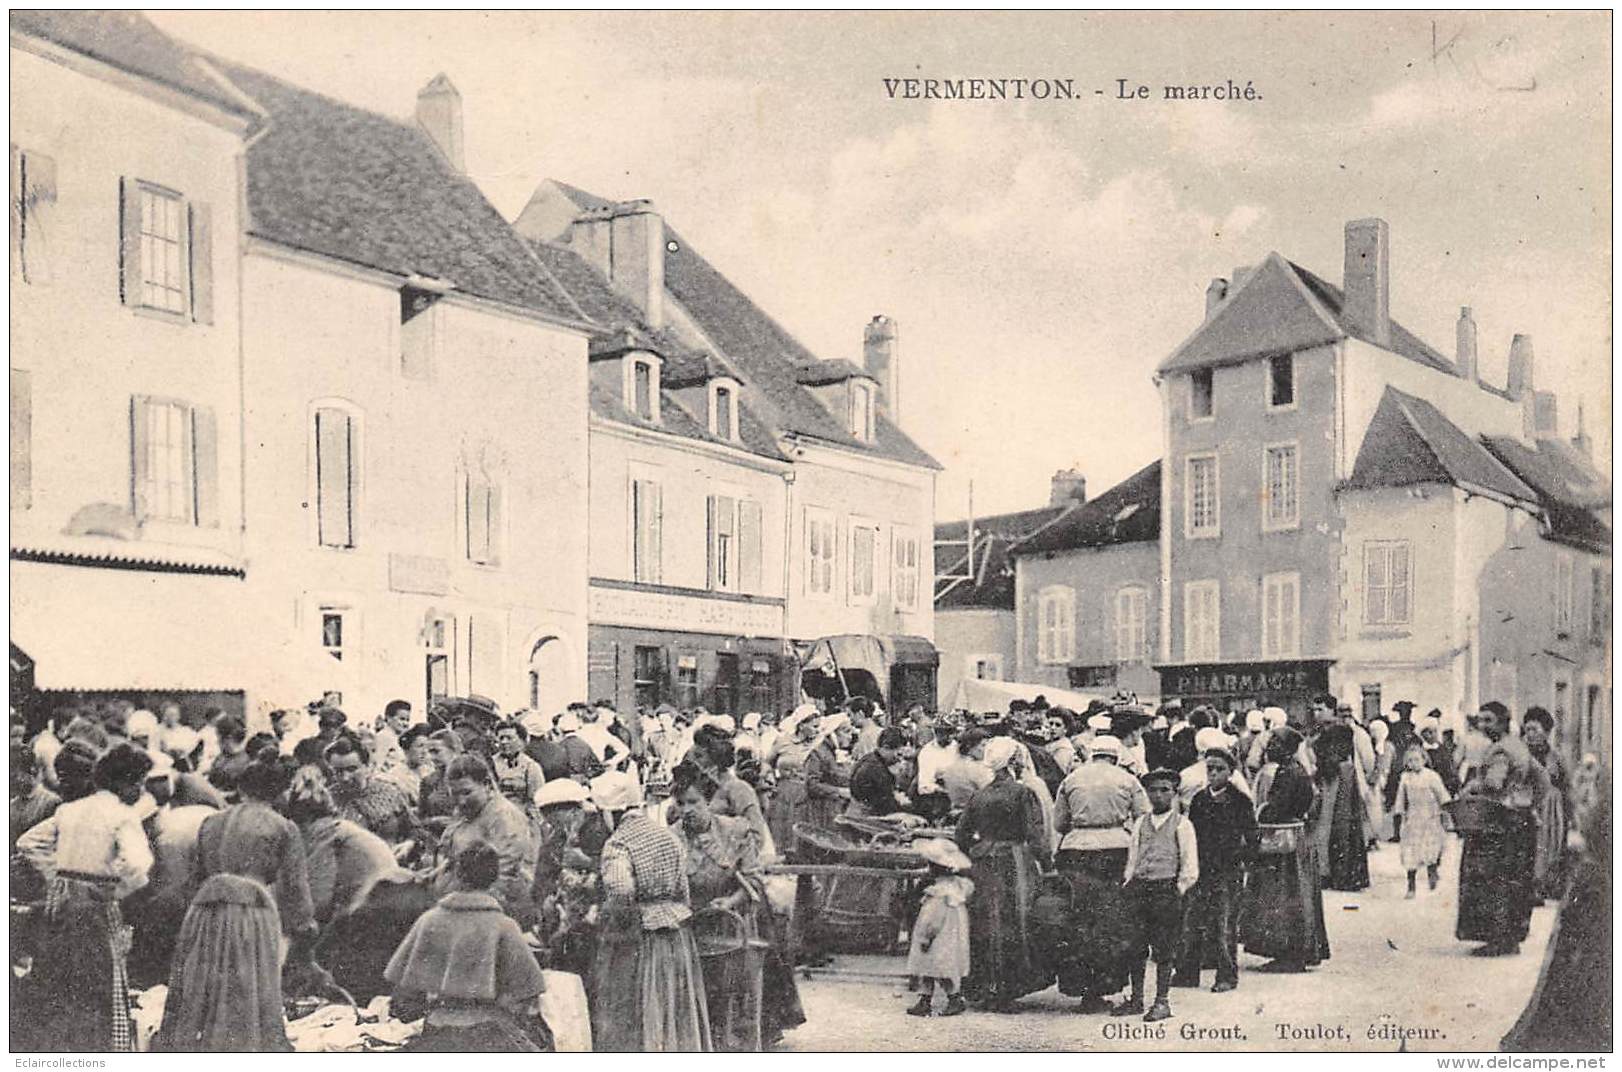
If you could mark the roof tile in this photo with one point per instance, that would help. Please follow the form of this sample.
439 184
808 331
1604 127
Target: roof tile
1127 513
1410 442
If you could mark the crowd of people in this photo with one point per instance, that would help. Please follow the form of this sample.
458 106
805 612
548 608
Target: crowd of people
446 860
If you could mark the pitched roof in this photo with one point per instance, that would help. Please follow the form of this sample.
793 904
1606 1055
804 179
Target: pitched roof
1127 513
763 352
993 584
128 41
835 370
1281 308
1574 494
1410 442
616 317
356 186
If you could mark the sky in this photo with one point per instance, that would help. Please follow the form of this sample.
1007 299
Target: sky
1040 257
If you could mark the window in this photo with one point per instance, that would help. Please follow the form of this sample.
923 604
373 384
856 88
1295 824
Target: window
333 620
1201 397
642 387
1202 621
1387 585
1055 625
1599 607
861 410
984 667
762 690
419 326
819 552
1131 625
22 439
1204 517
33 206
750 547
481 517
166 252
687 681
1281 508
646 537
724 409
163 283
1281 615
337 476
723 542
1371 704
436 640
904 587
1281 381
1563 586
649 668
174 458
864 542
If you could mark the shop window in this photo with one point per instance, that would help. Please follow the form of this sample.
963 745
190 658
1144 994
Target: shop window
649 668
687 682
762 689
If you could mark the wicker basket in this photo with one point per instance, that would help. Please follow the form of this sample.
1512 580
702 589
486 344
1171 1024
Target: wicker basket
721 932
1280 839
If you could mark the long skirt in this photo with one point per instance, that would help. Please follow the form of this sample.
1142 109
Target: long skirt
648 993
1283 912
1000 926
1570 1009
499 1034
1496 882
1099 954
1340 836
786 807
225 986
780 994
1549 871
78 979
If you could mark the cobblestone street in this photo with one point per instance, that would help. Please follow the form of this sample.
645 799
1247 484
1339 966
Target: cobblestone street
1385 950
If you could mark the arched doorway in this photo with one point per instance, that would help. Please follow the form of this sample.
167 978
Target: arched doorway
548 674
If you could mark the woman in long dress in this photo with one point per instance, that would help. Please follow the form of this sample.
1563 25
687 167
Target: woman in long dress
1549 872
827 780
1283 915
1002 832
1338 832
647 986
750 992
787 805
225 985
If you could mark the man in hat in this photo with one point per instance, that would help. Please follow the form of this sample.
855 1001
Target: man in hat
1162 864
1403 734
1095 806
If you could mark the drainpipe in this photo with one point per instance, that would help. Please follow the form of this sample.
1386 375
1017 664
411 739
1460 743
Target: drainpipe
788 560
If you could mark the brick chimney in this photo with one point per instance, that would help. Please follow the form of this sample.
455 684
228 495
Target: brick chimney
626 243
1581 440
1520 367
439 113
1465 359
1069 487
1545 420
880 339
1215 295
1367 280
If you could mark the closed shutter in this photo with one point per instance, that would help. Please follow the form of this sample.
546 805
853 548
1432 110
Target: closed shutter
206 466
709 542
38 180
334 476
22 434
646 506
201 246
476 506
129 242
15 185
140 458
749 547
493 513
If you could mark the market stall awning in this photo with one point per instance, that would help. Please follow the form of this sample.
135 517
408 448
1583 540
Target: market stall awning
874 654
976 695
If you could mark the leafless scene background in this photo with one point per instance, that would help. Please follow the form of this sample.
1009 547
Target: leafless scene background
960 403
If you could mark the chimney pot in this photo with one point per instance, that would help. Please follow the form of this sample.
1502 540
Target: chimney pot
1581 440
1367 280
1519 384
881 358
1465 365
1215 294
439 113
1069 487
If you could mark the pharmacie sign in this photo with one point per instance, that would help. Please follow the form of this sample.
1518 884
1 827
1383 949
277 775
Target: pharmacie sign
1245 679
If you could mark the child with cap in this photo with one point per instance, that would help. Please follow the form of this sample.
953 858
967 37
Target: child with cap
940 936
1419 800
1162 863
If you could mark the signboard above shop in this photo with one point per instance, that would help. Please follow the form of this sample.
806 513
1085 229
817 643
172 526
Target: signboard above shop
1248 681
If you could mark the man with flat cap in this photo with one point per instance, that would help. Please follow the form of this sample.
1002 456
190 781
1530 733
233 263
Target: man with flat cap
1162 864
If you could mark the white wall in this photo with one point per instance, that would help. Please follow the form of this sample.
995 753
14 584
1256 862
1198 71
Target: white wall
503 388
966 633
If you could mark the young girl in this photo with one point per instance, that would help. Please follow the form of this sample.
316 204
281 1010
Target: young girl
940 937
1420 796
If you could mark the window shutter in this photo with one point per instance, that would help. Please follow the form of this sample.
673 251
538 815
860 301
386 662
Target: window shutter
39 202
655 534
17 194
749 547
129 242
709 541
22 433
138 456
201 248
335 473
206 466
351 500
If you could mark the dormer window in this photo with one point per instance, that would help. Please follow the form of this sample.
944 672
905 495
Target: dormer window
861 410
642 385
724 409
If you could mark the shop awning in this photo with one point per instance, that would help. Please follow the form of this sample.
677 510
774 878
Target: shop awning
874 654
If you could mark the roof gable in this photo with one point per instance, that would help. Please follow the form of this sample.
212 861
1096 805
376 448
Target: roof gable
993 583
1410 442
356 186
1127 513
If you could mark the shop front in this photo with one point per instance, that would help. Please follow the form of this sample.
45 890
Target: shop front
1290 684
649 646
896 671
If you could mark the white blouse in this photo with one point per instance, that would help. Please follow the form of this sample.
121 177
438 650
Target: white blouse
95 835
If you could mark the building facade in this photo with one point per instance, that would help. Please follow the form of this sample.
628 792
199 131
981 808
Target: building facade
747 498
